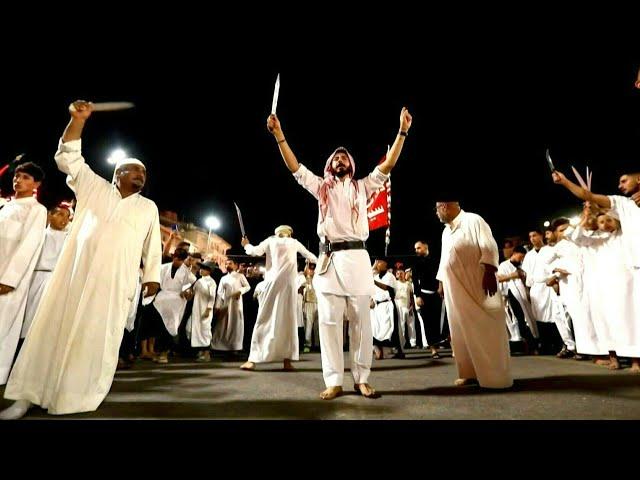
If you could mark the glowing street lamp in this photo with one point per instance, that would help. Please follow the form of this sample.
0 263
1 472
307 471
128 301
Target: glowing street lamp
212 223
117 155
547 223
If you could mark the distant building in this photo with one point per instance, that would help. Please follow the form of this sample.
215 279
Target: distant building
210 246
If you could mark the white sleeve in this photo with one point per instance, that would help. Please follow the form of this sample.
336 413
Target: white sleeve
80 178
306 253
308 180
486 243
257 250
152 251
374 181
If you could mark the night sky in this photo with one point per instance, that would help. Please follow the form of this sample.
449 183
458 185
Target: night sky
484 112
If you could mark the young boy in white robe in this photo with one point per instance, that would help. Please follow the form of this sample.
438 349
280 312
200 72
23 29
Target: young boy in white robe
22 231
55 235
228 330
198 327
522 326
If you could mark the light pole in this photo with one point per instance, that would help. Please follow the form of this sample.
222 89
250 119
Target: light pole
212 223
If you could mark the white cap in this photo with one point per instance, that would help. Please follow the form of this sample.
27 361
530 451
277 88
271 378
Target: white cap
126 161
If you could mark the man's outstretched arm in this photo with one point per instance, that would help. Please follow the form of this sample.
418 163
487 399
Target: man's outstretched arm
394 152
273 125
578 191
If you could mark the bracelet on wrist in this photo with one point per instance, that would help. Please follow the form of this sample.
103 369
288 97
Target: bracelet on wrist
283 140
404 133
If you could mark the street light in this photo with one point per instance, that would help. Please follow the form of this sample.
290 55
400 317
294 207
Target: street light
547 223
117 155
212 223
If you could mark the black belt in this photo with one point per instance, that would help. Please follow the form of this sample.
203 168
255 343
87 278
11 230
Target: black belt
382 301
335 246
43 270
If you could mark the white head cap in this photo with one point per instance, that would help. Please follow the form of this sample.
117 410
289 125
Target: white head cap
125 161
284 229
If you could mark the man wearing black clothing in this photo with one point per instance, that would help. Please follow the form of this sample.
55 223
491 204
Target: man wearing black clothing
428 305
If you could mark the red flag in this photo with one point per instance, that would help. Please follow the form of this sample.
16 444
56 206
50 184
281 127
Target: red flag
378 209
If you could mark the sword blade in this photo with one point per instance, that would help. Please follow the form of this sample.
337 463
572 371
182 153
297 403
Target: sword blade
276 94
108 106
549 161
240 220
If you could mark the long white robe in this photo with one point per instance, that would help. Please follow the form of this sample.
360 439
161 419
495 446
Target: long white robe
300 282
22 229
404 292
275 334
168 302
70 355
310 308
577 292
478 334
617 324
229 328
199 324
382 313
519 291
133 308
536 266
51 249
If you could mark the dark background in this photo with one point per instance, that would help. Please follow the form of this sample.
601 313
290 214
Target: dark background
486 103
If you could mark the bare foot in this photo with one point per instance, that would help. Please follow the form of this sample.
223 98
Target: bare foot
248 366
366 390
330 393
635 365
602 362
288 367
465 381
614 364
16 411
377 353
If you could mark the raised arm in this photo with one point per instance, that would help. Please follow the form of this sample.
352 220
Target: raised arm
290 160
392 157
581 193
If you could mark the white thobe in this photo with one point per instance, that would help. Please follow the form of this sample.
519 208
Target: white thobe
70 355
301 280
310 307
199 324
133 308
576 290
169 301
228 331
478 334
536 266
404 292
519 291
629 214
22 229
275 334
51 249
345 288
382 313
612 293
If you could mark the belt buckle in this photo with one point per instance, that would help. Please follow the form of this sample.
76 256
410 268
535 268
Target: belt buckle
328 247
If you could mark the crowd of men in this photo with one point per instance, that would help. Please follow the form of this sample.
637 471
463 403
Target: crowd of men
87 290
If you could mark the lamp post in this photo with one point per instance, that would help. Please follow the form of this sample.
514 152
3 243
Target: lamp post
212 223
